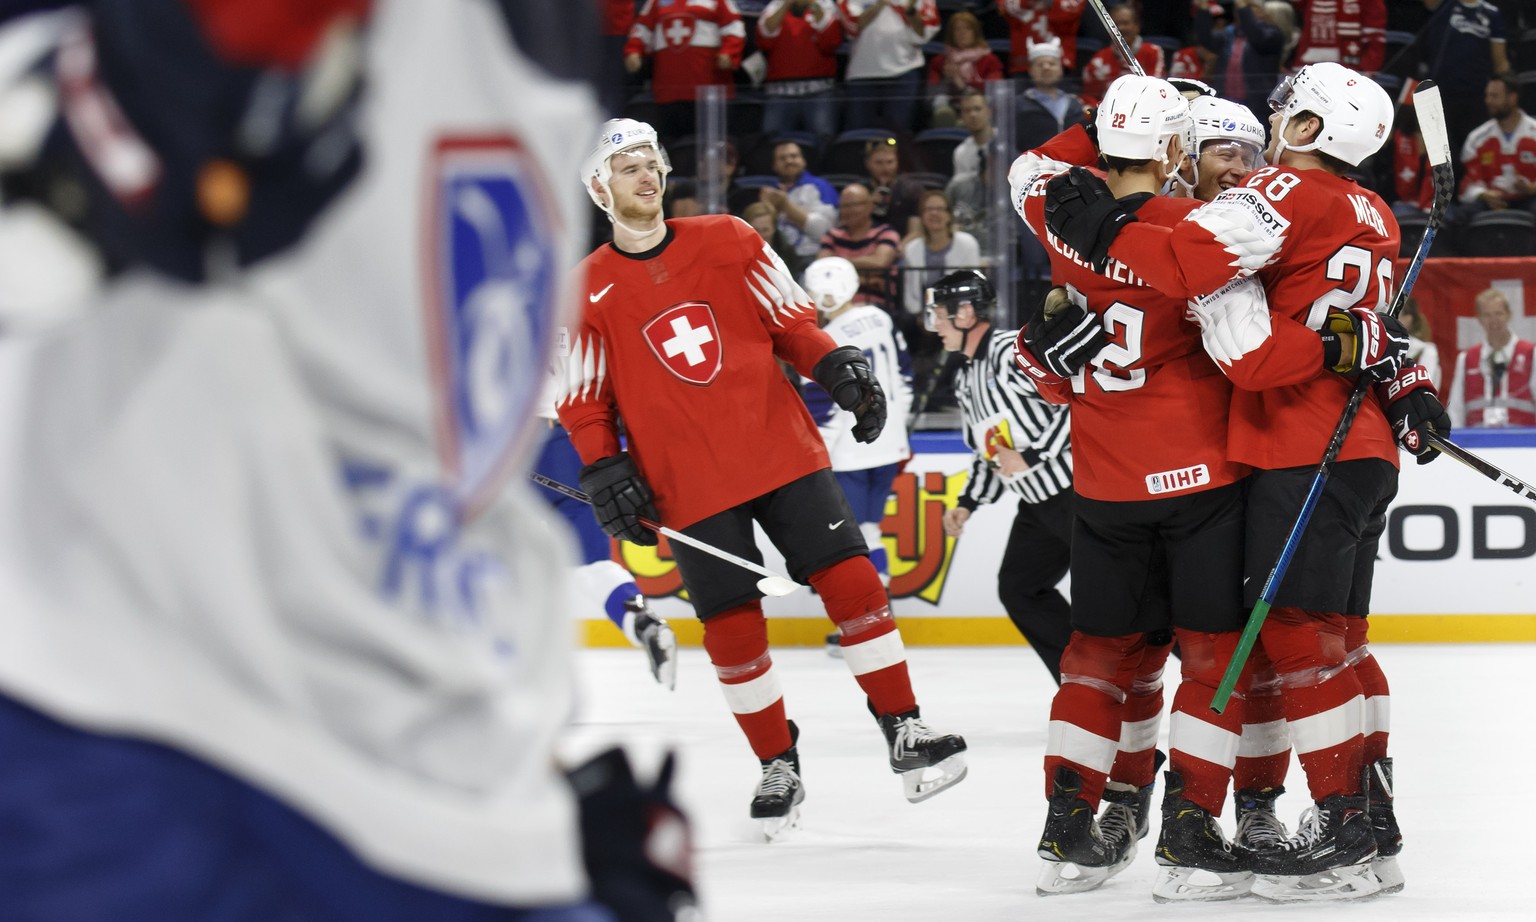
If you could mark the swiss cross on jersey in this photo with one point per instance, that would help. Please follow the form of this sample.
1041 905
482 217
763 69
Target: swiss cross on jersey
677 32
686 339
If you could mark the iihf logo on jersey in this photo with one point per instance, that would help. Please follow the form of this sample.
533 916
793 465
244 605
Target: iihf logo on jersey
491 301
686 339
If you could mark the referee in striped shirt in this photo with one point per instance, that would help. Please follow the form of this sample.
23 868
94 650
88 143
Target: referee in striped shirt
1021 444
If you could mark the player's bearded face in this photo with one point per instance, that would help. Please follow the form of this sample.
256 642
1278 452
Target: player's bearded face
636 184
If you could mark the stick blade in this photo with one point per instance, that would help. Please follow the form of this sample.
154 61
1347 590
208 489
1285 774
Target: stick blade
776 586
1431 112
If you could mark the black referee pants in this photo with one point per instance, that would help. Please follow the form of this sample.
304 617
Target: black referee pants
1038 555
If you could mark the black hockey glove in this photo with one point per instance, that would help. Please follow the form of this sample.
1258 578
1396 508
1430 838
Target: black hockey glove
1065 337
1082 212
620 498
635 841
1379 346
1414 410
845 374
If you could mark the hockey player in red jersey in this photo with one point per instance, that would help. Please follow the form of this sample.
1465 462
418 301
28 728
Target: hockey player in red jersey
1158 539
684 322
1322 249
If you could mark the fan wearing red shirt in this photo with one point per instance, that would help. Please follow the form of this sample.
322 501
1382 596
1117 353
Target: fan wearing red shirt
1038 21
1106 65
1322 249
685 323
691 43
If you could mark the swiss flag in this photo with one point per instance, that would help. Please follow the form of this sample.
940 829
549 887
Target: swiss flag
686 339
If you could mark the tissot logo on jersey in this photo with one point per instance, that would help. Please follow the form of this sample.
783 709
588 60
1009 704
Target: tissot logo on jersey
686 339
491 276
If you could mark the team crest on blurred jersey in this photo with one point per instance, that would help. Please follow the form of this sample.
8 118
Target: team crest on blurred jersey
686 339
491 301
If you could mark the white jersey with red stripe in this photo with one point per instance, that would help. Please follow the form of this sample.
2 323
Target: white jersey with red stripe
270 522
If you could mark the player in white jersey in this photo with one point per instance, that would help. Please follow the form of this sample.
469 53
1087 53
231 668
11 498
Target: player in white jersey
865 470
601 583
283 637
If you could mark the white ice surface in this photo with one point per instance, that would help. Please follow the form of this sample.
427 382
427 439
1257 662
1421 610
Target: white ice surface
1462 741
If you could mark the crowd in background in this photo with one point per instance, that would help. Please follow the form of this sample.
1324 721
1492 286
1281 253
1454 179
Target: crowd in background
863 129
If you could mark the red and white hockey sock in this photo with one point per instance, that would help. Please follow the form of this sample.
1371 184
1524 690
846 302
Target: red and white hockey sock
1203 744
737 643
857 603
1264 755
1324 706
1377 722
1084 732
1140 717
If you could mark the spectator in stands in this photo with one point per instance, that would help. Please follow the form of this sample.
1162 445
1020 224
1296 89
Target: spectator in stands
1465 47
806 205
682 199
1413 183
873 248
1105 65
1421 340
1044 108
618 17
896 197
765 221
1492 384
1353 34
690 45
940 250
1499 157
800 39
1033 21
885 68
1249 50
967 62
967 189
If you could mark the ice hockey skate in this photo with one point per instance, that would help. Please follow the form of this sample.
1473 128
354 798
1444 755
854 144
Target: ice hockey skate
1328 858
1389 839
1258 826
1136 802
1078 855
779 792
1195 861
655 637
927 761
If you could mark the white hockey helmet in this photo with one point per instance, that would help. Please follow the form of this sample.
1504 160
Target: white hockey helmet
619 135
832 281
1139 115
1356 111
1219 119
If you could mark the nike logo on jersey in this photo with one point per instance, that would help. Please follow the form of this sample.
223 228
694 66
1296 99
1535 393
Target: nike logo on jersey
599 296
834 525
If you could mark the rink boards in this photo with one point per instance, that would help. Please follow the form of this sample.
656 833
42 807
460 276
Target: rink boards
1457 563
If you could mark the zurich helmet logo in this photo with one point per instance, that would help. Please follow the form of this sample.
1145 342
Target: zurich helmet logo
1229 124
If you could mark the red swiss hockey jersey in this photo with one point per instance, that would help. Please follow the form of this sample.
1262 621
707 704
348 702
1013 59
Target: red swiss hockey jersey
680 344
1149 413
1317 242
1039 20
1348 32
1106 65
684 37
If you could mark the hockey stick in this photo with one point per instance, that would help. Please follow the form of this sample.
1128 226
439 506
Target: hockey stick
771 584
1117 38
1437 145
1501 477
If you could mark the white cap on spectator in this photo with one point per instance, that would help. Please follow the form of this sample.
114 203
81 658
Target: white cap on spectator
1042 49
